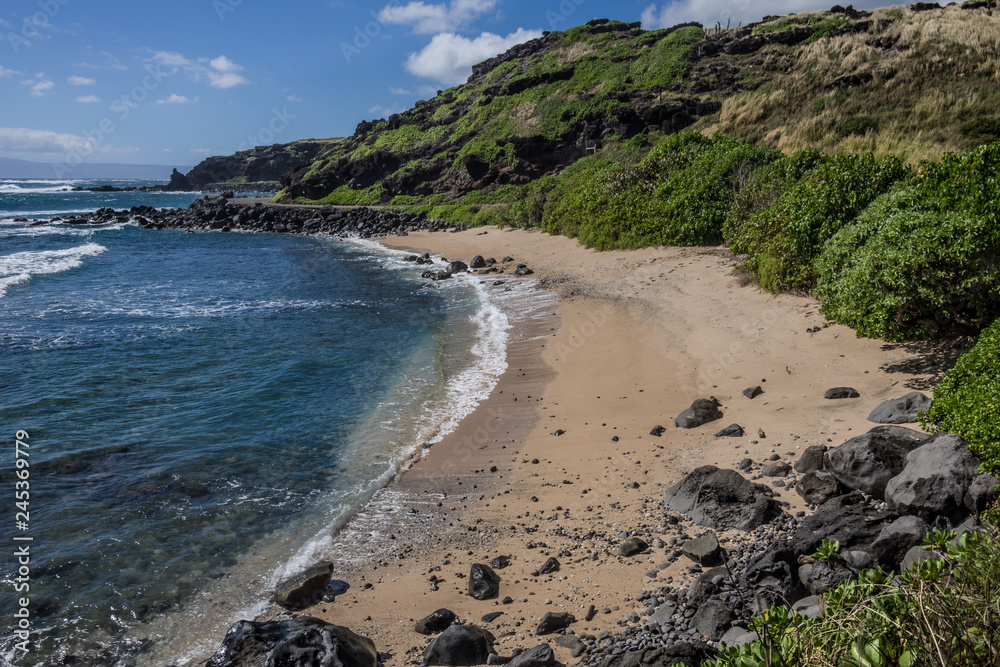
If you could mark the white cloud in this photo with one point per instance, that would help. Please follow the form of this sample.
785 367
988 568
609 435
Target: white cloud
399 91
220 72
42 141
428 19
174 98
167 150
39 85
293 98
87 99
7 72
80 81
449 57
731 12
201 151
385 112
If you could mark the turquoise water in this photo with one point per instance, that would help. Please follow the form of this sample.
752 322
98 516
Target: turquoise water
204 410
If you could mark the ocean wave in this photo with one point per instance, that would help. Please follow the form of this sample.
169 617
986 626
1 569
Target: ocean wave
8 188
19 267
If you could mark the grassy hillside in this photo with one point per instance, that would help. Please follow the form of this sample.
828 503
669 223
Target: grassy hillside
913 81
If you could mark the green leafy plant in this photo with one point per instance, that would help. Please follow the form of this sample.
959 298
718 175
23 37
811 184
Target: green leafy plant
826 549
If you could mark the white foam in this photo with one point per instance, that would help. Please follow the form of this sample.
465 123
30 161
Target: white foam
11 188
19 267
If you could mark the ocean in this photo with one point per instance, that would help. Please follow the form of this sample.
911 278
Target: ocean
203 412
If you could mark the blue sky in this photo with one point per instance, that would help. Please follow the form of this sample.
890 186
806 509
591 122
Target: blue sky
170 83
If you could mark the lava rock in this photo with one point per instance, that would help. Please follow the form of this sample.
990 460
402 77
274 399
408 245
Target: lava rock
304 589
706 585
713 619
554 622
460 646
704 550
935 480
500 562
484 583
738 637
896 539
982 493
902 410
478 262
722 499
687 654
548 567
702 411
916 554
575 646
775 469
540 656
811 459
817 487
731 431
436 622
303 641
824 575
523 271
867 463
457 267
753 392
631 547
657 431
849 519
841 392
809 607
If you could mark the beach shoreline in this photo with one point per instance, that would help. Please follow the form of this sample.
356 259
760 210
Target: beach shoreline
636 336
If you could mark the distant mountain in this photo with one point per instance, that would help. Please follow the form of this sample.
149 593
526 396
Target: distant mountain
12 168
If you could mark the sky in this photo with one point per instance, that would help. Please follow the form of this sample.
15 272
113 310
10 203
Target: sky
173 82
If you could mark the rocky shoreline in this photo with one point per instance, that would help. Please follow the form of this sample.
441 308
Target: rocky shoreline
733 548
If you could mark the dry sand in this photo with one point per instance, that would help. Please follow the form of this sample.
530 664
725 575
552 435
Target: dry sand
637 337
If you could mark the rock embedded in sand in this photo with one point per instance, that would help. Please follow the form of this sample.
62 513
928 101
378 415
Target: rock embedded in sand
722 499
460 646
731 431
657 431
702 411
841 392
478 262
435 622
811 459
304 589
704 550
775 469
500 562
753 392
457 267
554 622
484 583
631 547
539 656
298 641
902 410
548 567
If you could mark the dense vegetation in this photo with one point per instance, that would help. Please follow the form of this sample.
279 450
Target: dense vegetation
943 611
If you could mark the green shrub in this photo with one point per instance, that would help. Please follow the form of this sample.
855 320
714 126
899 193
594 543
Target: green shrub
967 401
901 270
782 241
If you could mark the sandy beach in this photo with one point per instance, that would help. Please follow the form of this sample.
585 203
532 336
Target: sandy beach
634 338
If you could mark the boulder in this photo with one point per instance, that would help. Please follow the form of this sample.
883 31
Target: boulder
706 585
753 392
824 575
305 641
811 459
460 646
915 554
896 539
771 577
436 622
981 494
738 637
554 622
731 431
713 619
867 462
575 646
687 654
523 271
702 411
722 499
817 487
500 562
478 262
809 607
849 519
704 550
484 583
775 469
540 656
457 267
632 546
657 431
935 481
841 392
902 410
304 589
